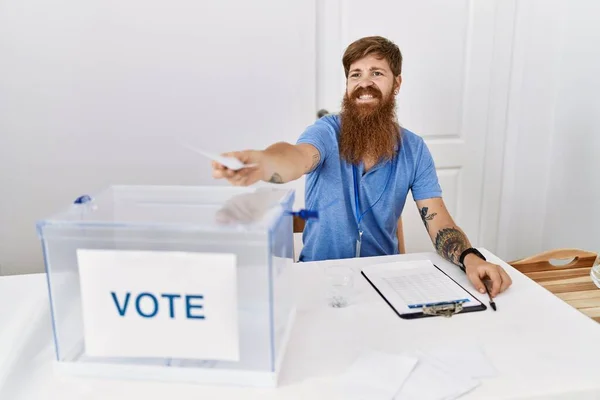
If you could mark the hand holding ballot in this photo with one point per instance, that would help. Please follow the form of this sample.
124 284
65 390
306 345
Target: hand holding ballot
241 168
258 168
279 163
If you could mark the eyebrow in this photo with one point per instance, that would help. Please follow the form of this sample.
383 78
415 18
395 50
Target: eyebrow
370 69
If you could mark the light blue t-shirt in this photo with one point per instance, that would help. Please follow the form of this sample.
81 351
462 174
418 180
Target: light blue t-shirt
330 191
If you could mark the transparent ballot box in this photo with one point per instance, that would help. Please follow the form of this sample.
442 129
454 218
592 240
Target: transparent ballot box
181 283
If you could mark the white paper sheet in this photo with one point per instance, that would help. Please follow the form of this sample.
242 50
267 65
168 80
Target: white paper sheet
375 376
165 304
432 380
440 373
470 360
230 162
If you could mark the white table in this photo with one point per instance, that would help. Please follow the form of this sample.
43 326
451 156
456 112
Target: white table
541 347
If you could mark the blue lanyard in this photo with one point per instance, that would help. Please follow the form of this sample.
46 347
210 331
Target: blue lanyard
360 216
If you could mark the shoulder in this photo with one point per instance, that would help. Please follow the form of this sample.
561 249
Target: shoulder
323 133
411 139
329 123
413 148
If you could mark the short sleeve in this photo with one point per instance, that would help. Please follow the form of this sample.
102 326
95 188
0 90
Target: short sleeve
425 184
322 135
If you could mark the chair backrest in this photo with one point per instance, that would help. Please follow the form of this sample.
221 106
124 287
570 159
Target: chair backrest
576 258
299 224
570 281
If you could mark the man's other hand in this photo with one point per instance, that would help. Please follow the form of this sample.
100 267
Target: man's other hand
478 270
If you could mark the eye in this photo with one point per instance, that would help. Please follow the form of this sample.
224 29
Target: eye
354 75
377 73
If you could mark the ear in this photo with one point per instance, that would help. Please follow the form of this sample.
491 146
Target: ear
397 83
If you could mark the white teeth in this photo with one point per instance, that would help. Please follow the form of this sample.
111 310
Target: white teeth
365 96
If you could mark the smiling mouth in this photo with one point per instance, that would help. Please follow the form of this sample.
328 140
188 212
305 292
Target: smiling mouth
365 98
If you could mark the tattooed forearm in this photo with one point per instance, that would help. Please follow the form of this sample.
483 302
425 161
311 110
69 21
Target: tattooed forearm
450 243
315 161
426 217
276 178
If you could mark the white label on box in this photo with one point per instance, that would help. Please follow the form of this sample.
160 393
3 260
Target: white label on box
159 304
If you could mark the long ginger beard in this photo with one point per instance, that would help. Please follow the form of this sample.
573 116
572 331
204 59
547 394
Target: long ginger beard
368 131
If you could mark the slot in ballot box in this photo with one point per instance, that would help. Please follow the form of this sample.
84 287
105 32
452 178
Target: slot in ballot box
179 283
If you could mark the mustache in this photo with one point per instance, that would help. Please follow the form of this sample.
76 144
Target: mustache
373 91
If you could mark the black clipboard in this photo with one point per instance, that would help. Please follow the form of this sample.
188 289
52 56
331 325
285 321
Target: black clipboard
440 309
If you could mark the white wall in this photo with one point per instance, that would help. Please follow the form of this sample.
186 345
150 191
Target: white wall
572 217
110 85
94 93
552 153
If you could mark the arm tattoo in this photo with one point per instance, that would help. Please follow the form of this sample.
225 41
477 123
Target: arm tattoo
315 161
426 217
276 178
450 243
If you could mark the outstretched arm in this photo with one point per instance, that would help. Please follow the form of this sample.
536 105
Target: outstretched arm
280 163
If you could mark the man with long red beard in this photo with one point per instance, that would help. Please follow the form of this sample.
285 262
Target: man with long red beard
360 166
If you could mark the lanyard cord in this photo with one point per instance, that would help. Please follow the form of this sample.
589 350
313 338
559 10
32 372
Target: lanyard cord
359 216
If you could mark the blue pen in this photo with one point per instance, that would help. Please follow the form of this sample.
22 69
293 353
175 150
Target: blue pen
438 303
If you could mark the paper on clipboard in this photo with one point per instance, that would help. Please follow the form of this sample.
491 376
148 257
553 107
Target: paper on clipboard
410 286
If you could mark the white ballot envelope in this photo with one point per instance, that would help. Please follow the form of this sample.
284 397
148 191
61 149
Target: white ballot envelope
230 162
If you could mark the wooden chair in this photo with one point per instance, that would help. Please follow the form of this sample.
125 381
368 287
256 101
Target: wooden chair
299 224
570 281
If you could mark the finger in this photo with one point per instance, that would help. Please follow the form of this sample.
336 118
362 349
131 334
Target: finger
239 182
244 156
229 173
247 180
250 175
216 165
217 174
476 281
506 280
244 178
247 157
250 168
494 275
235 179
245 172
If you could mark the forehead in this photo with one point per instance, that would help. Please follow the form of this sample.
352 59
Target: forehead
370 61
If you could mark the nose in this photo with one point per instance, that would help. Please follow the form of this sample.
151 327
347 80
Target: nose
364 83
